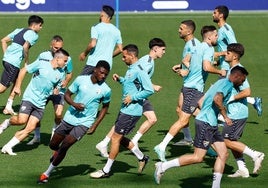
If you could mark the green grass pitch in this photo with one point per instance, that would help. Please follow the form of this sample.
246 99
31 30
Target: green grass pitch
24 169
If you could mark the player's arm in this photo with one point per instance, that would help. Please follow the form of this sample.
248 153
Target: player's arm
218 101
100 117
67 80
26 47
186 61
89 47
211 69
17 87
68 98
5 42
118 50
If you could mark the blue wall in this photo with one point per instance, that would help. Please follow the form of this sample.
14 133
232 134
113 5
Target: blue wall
128 5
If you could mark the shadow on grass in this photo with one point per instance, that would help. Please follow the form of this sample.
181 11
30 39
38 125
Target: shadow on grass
196 182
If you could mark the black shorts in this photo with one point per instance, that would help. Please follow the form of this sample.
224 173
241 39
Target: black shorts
88 69
205 135
29 108
235 131
191 98
124 123
147 106
56 99
9 75
77 132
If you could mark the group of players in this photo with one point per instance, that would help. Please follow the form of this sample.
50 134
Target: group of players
52 72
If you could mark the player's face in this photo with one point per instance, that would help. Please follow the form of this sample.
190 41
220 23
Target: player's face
103 16
127 57
216 16
183 31
100 74
56 45
37 27
62 61
159 51
214 38
229 56
239 79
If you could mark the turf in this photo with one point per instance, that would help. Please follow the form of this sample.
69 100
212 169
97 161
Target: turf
24 169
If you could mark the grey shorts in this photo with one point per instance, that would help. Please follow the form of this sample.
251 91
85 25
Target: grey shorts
190 99
65 128
124 123
87 70
235 131
29 108
205 135
147 106
9 75
56 99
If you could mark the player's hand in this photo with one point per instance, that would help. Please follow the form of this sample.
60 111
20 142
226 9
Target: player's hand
183 72
82 56
79 106
116 77
157 88
127 100
176 68
17 91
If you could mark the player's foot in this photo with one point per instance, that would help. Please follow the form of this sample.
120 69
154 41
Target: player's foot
160 153
35 140
4 125
99 174
240 173
42 179
142 163
103 150
7 111
158 173
183 142
257 162
258 105
7 150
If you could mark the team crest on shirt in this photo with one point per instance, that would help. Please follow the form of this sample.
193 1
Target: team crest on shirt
205 143
98 91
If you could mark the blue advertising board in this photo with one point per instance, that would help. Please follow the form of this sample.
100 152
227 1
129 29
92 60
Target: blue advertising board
127 5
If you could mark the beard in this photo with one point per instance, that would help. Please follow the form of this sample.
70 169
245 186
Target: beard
215 20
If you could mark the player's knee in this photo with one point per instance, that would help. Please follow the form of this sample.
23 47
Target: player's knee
152 120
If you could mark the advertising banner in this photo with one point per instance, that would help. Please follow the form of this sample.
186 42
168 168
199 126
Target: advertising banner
127 5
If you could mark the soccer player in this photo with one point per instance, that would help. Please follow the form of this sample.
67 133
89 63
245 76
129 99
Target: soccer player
57 97
198 67
90 91
206 128
104 38
157 49
237 111
137 86
22 39
47 75
227 36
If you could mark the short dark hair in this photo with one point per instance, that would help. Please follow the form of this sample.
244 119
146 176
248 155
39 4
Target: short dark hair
61 51
190 24
236 48
156 42
207 28
132 48
57 38
222 9
103 64
239 69
108 10
35 19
